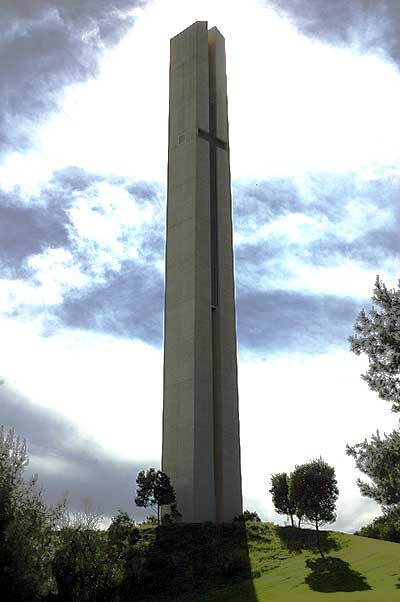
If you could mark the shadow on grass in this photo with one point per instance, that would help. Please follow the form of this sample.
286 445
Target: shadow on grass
184 561
298 540
334 575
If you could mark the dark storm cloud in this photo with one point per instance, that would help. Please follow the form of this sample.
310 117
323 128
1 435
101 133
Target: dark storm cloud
45 45
289 321
66 462
368 26
27 230
130 304
31 225
69 180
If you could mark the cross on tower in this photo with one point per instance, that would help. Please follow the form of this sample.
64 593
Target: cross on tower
214 142
212 139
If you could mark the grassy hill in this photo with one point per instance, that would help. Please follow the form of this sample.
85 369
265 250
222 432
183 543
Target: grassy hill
265 563
355 569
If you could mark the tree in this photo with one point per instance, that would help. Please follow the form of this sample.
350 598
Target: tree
313 488
84 566
89 518
379 459
378 335
13 459
281 497
154 490
122 533
27 528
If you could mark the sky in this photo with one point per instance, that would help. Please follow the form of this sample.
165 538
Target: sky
313 92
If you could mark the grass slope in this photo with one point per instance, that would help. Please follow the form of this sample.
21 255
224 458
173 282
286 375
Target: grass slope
285 568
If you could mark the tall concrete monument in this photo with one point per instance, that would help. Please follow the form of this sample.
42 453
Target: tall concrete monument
201 447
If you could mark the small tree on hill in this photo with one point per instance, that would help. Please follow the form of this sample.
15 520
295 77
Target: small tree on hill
154 490
314 489
281 496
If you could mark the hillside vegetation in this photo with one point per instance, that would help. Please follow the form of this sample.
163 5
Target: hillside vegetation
261 562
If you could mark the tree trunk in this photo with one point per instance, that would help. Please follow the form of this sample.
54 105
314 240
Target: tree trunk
291 518
318 539
158 515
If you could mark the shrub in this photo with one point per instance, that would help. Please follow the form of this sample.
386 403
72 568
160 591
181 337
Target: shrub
247 516
385 527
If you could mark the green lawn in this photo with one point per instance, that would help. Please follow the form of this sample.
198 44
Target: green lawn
356 569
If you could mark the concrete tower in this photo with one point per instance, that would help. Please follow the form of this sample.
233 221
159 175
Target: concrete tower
201 447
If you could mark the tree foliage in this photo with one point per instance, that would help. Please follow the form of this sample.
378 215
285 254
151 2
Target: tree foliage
27 528
154 490
281 496
248 517
378 336
379 459
84 568
122 533
313 488
385 527
13 459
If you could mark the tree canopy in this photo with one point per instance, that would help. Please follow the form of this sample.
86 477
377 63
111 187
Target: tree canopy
378 336
27 528
281 497
314 490
154 490
379 459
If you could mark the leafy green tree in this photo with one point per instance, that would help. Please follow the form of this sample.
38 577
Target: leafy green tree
313 488
122 533
27 528
154 490
281 496
84 568
378 336
379 459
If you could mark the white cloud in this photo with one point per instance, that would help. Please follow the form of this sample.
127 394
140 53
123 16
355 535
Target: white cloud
339 276
107 227
295 267
295 103
294 227
54 272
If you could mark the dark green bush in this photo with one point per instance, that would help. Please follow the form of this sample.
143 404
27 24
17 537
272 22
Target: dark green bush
385 527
